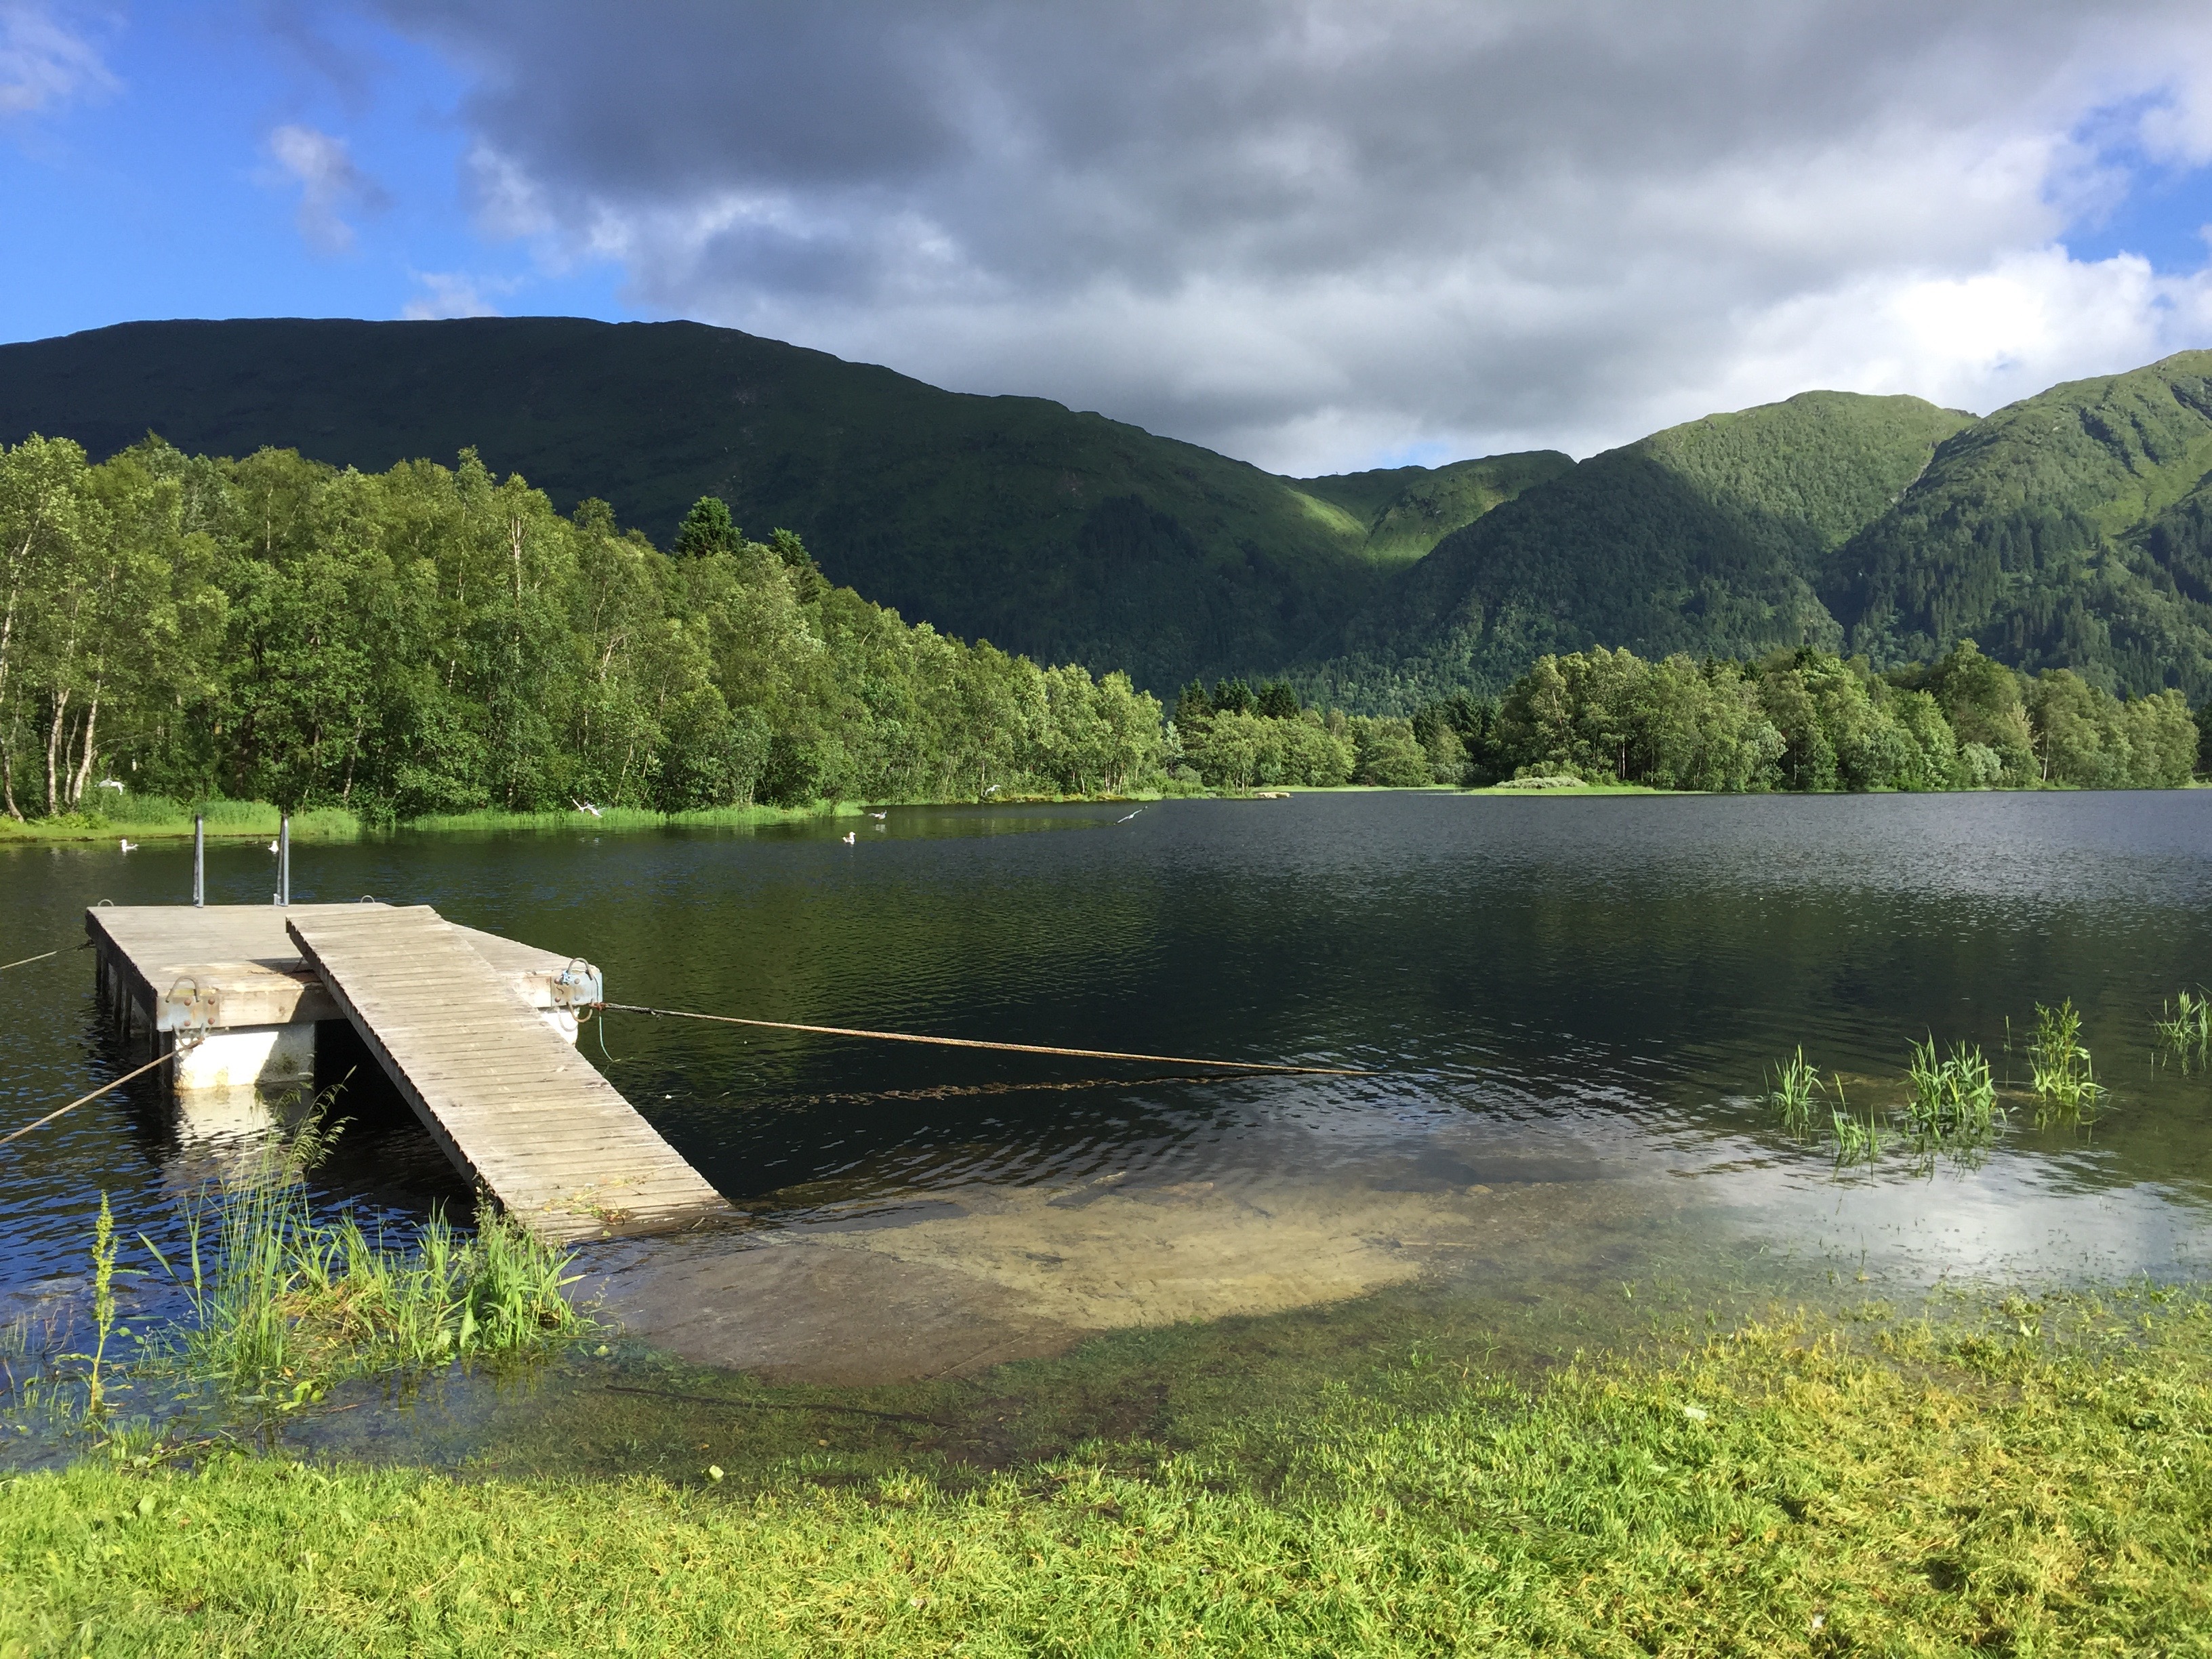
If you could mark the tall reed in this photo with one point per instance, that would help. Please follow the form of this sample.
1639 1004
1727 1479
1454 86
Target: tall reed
2066 1088
2186 1031
278 1294
1795 1084
1953 1102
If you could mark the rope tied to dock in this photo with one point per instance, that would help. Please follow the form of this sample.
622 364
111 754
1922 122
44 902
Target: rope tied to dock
1001 1048
105 1088
25 962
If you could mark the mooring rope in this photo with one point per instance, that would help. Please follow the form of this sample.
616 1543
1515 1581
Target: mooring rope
26 961
162 1060
1001 1048
953 1090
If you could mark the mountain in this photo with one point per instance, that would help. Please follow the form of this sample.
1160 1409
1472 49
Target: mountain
1064 535
1710 536
2071 529
1407 510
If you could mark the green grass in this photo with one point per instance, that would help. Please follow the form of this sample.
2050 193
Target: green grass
157 817
2031 1477
626 818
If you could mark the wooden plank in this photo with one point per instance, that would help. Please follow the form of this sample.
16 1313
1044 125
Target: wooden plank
509 1098
243 952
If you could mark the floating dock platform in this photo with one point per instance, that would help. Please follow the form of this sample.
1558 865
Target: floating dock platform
476 1032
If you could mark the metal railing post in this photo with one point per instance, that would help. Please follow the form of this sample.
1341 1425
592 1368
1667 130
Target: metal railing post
285 859
199 859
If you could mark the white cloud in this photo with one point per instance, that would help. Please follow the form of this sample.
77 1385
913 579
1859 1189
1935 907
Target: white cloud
454 293
330 185
1321 235
44 62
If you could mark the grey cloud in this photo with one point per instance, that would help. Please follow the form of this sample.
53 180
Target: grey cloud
1390 224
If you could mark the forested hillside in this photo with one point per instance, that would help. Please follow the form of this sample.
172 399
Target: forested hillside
430 639
1066 536
2067 530
1707 537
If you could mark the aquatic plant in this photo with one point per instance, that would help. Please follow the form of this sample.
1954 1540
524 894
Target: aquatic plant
1953 1102
1796 1085
2066 1088
2184 1031
277 1293
1858 1140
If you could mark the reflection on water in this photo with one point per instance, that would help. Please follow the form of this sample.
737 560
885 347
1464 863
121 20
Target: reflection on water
1568 1005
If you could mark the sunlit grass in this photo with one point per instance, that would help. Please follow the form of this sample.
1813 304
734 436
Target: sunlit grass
2031 1478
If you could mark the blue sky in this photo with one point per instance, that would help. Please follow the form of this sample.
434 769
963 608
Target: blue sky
159 193
1324 237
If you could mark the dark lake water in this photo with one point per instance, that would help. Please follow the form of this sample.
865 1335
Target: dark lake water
1567 1004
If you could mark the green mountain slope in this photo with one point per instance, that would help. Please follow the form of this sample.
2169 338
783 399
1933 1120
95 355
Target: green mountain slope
1707 536
1061 534
2067 529
1406 510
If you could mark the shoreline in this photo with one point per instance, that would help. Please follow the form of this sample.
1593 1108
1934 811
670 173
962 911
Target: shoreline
258 820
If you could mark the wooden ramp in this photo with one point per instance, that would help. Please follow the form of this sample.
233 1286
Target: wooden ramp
510 1101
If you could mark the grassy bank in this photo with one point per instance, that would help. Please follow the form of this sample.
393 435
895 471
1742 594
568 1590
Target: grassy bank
155 818
2034 1478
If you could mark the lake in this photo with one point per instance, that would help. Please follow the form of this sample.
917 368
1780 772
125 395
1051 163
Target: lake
1568 1006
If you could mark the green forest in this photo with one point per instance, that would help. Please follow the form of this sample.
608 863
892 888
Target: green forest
1806 719
432 639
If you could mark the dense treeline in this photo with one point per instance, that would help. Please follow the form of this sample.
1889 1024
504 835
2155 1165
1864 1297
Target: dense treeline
1810 719
434 639
1804 720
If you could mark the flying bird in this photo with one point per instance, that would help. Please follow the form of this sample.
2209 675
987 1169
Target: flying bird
1131 816
879 815
586 806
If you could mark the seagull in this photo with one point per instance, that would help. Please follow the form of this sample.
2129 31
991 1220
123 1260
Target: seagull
586 806
274 847
1131 816
129 844
879 815
850 838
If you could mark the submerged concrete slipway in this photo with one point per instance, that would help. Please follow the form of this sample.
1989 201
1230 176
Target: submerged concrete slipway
1569 1007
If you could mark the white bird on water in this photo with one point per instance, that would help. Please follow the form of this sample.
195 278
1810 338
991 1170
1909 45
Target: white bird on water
850 838
879 815
129 844
274 847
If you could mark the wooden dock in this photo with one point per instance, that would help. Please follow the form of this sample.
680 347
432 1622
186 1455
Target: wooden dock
476 1031
511 1102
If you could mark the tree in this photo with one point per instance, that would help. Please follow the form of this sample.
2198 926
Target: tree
706 529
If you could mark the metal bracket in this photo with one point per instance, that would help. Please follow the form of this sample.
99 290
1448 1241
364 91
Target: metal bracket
579 986
188 1006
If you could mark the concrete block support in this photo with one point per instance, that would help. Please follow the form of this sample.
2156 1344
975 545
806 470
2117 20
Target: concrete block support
249 1057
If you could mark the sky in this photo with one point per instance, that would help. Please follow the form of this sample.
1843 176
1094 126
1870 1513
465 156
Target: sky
1318 236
